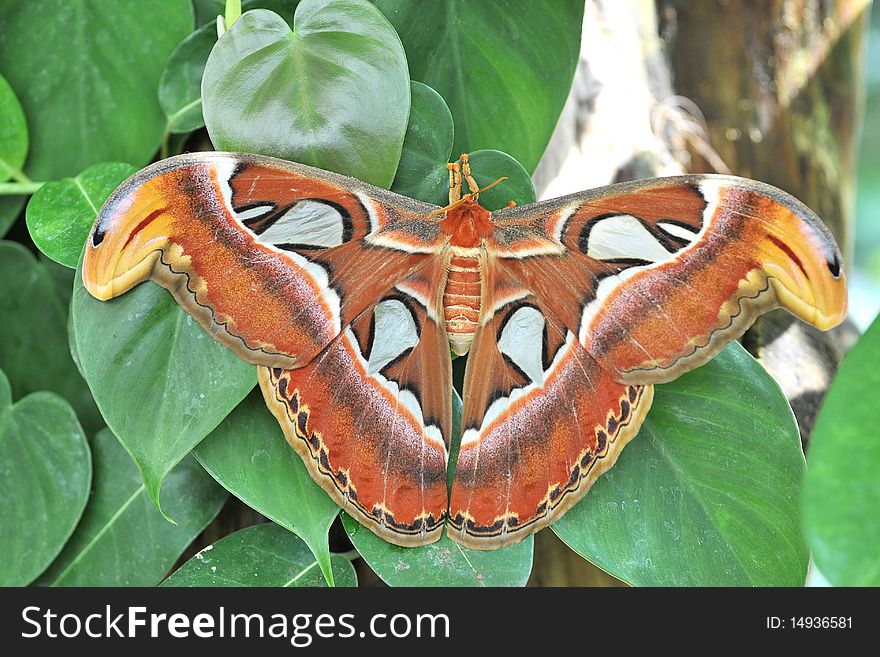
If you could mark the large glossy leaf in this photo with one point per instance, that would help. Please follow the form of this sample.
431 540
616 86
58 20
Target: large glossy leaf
122 539
249 455
504 67
332 92
707 493
443 563
86 74
61 213
841 501
427 147
46 469
10 208
262 555
160 381
180 87
33 350
13 132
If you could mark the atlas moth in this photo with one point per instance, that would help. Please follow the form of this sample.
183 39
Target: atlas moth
348 298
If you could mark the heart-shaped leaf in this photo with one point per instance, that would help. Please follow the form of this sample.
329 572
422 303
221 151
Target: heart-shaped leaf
46 470
427 147
333 92
108 546
707 493
443 563
13 132
86 75
841 501
160 381
61 213
504 68
34 351
249 455
180 87
262 555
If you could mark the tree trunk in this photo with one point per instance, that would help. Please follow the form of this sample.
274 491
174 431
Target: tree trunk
783 104
780 86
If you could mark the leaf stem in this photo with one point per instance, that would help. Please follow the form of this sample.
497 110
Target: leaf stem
166 136
20 176
19 187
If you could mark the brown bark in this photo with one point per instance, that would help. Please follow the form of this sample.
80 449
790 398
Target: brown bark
780 84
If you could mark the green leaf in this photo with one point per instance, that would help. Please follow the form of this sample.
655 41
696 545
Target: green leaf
62 281
86 74
232 13
34 351
707 493
427 148
489 166
180 87
262 555
841 500
160 381
249 455
333 92
208 10
13 133
46 469
10 208
504 68
122 539
443 563
61 213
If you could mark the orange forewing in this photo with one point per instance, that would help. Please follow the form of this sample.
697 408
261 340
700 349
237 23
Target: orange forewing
737 249
194 225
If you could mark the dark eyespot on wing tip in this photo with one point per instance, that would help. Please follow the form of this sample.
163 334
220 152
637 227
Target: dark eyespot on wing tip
834 265
98 236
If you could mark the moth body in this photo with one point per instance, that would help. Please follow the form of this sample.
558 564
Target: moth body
461 298
466 224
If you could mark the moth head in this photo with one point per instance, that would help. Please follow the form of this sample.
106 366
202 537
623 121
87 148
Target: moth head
805 267
126 241
465 221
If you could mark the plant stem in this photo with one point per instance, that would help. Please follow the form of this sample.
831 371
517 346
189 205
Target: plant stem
163 149
19 187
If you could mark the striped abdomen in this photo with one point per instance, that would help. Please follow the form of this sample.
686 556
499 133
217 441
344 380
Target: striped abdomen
461 302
